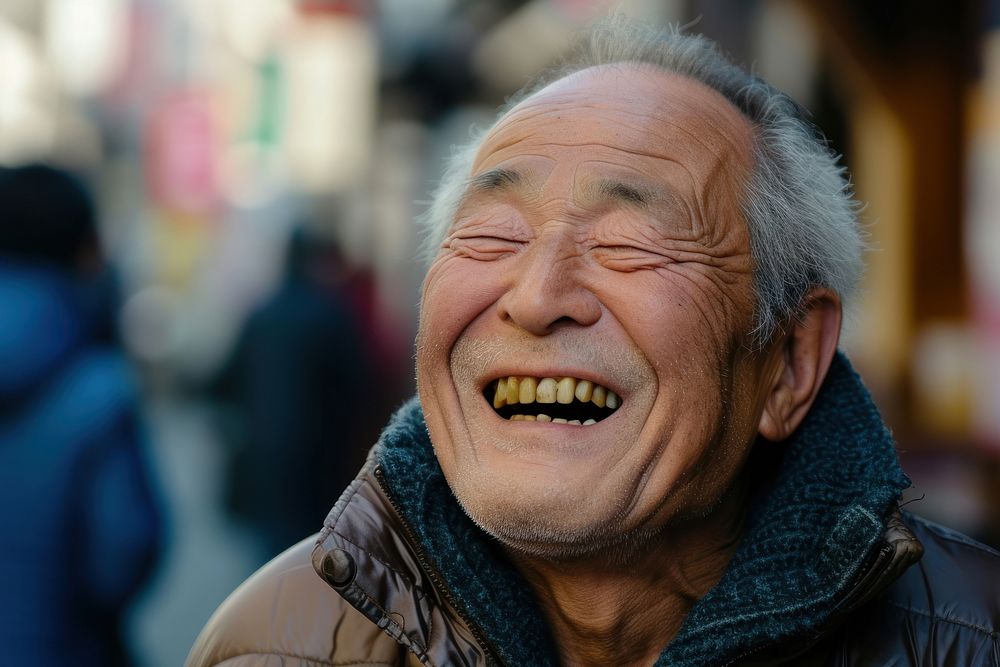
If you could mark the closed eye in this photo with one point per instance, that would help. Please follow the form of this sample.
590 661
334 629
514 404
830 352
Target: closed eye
483 248
628 258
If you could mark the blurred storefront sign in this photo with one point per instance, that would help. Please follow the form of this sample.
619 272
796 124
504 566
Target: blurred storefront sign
86 42
252 29
39 119
331 68
181 163
27 127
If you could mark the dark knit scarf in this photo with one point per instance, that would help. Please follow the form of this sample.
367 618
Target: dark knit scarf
807 535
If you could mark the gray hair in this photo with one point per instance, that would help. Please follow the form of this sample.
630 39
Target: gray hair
797 202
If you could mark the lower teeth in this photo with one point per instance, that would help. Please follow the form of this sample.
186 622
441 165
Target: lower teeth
546 418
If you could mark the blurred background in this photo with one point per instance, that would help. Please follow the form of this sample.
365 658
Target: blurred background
254 169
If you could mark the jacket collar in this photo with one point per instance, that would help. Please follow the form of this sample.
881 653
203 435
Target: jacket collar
816 542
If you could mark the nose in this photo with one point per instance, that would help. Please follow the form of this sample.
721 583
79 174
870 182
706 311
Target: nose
546 291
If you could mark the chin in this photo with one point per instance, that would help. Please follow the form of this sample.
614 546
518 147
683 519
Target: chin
551 524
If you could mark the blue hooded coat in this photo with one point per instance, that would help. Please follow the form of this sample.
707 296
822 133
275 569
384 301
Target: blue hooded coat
79 523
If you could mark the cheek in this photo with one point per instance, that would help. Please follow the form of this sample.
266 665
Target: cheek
697 309
689 340
455 292
668 314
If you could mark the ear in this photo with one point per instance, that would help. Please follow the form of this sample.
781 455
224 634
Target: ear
802 358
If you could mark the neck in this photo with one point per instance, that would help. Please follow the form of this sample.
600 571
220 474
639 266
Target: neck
607 609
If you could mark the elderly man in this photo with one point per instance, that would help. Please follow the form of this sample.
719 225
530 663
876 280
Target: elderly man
635 441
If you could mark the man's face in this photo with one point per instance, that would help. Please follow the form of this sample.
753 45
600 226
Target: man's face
600 240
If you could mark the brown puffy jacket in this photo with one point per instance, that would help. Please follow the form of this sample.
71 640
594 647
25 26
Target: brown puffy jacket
399 576
945 610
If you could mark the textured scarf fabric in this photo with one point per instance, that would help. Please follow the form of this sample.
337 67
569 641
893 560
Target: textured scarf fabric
807 535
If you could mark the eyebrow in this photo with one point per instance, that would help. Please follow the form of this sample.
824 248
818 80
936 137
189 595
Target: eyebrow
494 180
626 193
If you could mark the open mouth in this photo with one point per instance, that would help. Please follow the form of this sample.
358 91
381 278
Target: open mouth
563 400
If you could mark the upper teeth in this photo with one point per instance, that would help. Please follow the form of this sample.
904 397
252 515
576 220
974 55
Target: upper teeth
524 389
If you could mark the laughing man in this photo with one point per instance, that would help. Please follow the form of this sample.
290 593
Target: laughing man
635 441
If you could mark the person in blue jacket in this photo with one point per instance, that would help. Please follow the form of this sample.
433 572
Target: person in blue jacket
80 525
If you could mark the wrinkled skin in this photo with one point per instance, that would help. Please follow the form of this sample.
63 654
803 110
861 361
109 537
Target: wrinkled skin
611 248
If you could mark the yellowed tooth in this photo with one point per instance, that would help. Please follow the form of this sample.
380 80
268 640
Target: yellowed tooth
565 392
527 389
583 390
612 400
546 391
544 418
501 396
529 418
589 422
599 397
559 420
513 391
517 418
574 422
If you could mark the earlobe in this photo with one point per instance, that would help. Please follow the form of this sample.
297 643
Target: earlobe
802 360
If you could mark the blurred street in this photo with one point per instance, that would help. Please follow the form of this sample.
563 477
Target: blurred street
208 556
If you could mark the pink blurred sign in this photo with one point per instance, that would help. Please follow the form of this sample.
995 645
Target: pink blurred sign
181 164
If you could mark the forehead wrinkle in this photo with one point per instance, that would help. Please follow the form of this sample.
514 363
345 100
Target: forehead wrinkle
653 124
721 152
692 144
656 126
524 113
637 148
725 208
715 198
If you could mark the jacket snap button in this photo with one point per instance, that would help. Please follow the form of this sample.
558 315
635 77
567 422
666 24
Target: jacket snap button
339 568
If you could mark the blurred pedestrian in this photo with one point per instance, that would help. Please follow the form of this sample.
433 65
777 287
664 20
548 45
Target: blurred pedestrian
80 527
300 380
